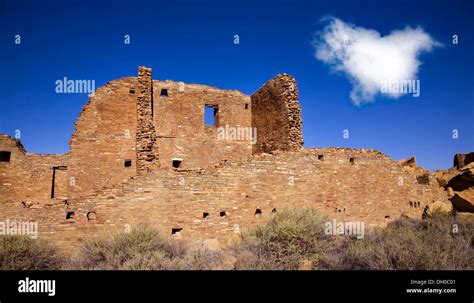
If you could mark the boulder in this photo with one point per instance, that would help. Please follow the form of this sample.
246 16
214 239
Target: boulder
467 172
450 192
437 207
444 176
464 178
464 201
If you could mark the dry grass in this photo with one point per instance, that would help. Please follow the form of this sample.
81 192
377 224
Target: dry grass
144 248
24 253
408 244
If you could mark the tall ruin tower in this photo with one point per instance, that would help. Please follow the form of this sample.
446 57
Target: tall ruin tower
145 135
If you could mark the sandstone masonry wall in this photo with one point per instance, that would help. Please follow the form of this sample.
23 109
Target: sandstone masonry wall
131 120
180 128
29 177
238 194
104 139
276 113
146 151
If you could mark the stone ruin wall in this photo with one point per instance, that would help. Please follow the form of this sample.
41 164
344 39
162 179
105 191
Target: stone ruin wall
181 132
28 177
276 113
104 138
461 160
370 188
107 135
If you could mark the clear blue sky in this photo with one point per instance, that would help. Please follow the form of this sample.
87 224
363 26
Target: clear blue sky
192 41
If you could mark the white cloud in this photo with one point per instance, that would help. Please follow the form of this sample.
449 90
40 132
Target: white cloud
369 59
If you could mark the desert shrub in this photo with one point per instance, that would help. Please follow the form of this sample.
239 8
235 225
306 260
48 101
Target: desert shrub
408 244
200 259
24 253
193 259
285 241
143 248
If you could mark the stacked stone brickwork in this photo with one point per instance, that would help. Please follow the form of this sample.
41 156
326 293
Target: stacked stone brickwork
117 125
238 194
146 136
181 132
28 178
276 114
104 138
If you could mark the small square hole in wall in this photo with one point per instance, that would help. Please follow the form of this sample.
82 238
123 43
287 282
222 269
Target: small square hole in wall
222 214
69 215
132 91
274 210
5 156
205 215
258 212
127 163
164 93
176 230
176 163
246 106
352 161
321 157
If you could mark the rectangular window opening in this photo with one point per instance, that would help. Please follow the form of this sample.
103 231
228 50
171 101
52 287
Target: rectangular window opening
164 93
176 230
5 156
211 115
127 163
